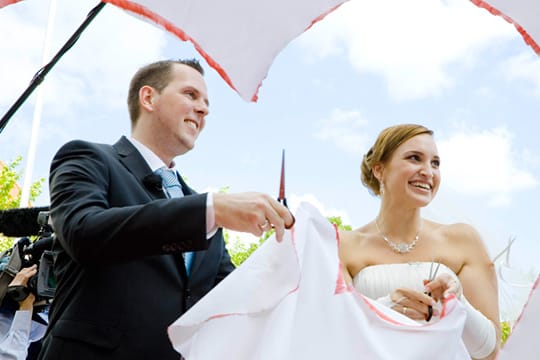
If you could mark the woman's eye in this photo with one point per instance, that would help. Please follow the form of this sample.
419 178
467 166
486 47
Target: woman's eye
415 157
436 163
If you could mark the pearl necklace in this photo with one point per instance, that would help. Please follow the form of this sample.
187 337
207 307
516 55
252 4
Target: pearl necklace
401 248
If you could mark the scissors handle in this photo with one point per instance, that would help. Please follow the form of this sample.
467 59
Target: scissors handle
432 275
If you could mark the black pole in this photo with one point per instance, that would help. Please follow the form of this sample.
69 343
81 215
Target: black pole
40 75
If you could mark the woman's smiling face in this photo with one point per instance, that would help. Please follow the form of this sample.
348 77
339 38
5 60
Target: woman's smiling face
412 173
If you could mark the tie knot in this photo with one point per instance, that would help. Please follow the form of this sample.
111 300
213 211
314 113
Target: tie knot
168 176
170 182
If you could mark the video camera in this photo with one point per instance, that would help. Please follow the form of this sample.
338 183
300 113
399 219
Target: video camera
27 252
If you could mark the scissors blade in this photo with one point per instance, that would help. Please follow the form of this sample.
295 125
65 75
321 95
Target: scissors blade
432 276
281 197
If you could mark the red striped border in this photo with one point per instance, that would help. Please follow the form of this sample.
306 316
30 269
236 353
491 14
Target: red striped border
7 2
534 288
528 39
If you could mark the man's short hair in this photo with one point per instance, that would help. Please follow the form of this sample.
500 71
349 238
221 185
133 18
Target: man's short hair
157 75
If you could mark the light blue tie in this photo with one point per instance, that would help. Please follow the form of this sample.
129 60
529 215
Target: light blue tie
173 189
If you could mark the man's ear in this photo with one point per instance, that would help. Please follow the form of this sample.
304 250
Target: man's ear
147 97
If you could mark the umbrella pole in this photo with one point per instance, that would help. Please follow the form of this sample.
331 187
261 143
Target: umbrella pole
40 75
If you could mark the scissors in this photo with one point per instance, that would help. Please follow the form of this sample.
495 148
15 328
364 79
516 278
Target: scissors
432 275
281 197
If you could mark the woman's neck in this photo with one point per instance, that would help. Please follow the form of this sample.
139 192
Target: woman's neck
399 226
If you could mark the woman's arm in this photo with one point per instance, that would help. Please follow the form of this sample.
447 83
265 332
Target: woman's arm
479 282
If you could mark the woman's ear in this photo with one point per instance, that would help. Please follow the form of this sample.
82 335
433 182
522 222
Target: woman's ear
377 170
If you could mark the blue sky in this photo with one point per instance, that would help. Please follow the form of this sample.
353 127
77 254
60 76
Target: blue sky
446 64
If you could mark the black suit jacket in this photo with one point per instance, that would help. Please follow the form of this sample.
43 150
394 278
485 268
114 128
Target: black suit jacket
121 278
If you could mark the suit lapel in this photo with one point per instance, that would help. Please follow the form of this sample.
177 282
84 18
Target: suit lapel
130 157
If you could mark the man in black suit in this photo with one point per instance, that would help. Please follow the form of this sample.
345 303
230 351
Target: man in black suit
120 237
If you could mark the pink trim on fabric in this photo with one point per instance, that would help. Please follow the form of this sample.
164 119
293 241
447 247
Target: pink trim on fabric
533 289
7 2
217 316
528 39
341 284
445 309
376 311
322 16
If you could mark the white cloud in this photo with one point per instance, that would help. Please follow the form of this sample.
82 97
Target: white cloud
346 129
485 163
525 66
20 46
409 43
111 49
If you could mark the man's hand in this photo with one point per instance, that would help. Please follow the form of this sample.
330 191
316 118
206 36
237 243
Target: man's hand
253 212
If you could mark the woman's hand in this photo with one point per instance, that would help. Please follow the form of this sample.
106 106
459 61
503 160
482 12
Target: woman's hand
443 286
412 304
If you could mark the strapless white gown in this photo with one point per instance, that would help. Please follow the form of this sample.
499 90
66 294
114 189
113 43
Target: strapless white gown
377 281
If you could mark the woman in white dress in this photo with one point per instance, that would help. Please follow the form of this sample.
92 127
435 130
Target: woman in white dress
390 258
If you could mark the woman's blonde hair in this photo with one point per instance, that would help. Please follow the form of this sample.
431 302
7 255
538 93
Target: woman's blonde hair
387 142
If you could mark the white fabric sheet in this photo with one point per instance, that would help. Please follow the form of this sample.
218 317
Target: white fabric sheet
288 301
241 38
522 343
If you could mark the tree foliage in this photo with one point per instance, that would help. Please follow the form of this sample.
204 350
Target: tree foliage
10 194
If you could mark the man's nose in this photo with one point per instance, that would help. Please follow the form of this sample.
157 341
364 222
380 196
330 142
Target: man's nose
201 107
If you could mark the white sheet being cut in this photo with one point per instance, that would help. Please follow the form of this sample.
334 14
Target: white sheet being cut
288 301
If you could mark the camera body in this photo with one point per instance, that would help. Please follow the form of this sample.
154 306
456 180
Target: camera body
39 252
43 283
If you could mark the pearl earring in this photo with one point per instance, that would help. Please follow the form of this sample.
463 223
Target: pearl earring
381 188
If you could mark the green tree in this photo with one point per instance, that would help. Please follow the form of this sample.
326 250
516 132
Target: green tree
241 250
506 329
336 220
10 195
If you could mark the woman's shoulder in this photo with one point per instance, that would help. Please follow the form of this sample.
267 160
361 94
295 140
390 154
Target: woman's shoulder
459 232
356 236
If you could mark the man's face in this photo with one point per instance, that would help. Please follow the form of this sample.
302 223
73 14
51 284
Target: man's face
180 109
